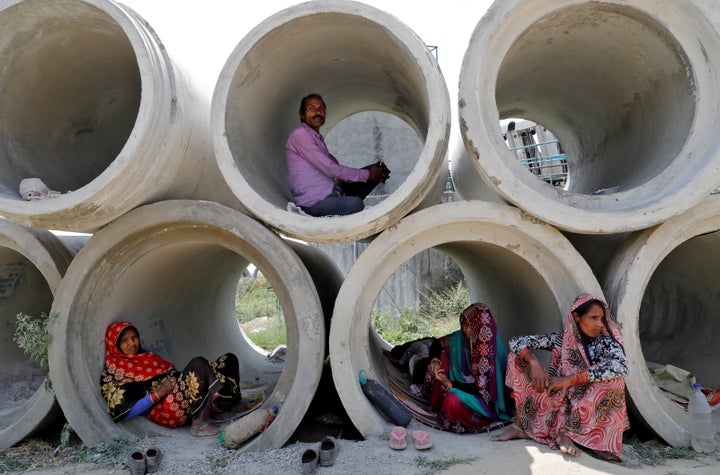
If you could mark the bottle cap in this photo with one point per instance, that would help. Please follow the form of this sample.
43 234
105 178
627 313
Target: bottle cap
696 386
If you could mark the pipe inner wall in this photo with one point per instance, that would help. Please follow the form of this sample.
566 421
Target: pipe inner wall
32 263
359 59
172 268
663 282
524 270
619 84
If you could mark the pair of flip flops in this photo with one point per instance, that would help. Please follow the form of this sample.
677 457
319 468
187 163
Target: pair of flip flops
398 439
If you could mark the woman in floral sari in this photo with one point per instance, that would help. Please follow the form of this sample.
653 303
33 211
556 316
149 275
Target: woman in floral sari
580 399
464 379
137 382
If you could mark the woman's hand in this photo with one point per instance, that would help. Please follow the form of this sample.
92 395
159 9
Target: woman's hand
538 376
559 382
166 387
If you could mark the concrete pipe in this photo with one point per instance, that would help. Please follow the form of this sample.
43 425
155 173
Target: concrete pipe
359 59
524 270
32 264
631 90
93 105
663 285
172 268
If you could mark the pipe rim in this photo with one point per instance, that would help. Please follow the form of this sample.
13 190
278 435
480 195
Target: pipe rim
46 253
424 180
147 231
539 246
630 272
664 195
112 190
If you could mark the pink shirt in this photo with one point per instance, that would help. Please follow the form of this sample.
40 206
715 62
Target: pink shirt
312 170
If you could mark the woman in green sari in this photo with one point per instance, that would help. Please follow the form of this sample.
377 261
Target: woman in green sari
466 375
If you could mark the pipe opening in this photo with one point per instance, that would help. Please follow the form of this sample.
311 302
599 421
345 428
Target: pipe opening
181 297
370 136
678 319
23 289
71 93
259 312
537 149
613 84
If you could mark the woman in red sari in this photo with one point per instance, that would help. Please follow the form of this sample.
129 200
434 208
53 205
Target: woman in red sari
136 382
580 399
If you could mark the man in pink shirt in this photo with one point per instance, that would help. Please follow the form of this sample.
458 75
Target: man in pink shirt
320 185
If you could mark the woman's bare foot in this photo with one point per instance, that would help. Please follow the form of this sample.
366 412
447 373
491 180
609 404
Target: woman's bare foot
203 428
512 432
567 446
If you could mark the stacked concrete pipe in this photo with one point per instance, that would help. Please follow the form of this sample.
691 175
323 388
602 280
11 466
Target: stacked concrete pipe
630 88
94 106
525 270
172 268
663 284
32 264
358 58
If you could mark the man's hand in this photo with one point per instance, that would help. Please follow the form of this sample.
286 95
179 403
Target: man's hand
379 172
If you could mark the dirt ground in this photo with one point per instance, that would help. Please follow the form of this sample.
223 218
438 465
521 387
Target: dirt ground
450 454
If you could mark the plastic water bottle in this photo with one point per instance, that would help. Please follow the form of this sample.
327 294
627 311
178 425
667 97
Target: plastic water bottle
702 432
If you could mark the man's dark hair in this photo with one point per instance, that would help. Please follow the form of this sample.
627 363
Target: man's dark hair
304 100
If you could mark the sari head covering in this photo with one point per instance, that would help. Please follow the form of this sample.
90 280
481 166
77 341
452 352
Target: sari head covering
477 359
591 413
127 378
128 368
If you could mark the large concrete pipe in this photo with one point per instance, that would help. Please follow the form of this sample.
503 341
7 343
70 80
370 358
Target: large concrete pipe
525 270
93 105
358 58
663 284
173 268
630 88
32 264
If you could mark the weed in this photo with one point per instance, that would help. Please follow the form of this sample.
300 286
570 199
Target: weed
434 466
32 336
104 451
649 455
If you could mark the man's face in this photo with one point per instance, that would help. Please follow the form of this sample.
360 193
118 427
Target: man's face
314 113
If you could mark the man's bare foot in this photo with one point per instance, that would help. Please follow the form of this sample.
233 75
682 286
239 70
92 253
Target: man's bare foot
512 432
567 446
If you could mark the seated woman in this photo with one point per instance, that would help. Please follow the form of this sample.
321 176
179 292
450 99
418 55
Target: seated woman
464 380
136 382
581 398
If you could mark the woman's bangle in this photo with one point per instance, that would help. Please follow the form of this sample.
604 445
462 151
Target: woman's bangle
579 378
524 352
436 360
154 397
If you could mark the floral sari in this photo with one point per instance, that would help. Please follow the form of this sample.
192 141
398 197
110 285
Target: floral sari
126 379
475 366
592 413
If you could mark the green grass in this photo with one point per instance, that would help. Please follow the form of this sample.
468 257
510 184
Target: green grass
255 299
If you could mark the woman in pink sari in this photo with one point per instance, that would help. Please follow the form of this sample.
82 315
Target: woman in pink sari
580 399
